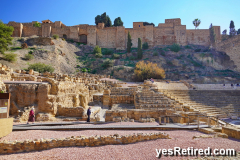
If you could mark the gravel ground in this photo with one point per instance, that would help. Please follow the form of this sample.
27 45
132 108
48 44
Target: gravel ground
141 150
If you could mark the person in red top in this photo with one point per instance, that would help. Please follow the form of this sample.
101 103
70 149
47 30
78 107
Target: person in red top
31 116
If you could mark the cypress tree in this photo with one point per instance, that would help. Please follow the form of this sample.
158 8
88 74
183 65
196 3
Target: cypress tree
232 31
139 52
212 35
129 43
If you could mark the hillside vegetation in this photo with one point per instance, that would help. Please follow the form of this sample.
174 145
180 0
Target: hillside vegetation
194 62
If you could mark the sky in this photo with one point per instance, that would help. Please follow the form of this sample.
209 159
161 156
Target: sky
74 12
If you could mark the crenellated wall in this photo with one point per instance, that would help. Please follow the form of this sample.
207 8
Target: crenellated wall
172 31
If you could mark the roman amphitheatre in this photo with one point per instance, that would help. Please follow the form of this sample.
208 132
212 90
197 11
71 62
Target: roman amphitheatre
196 105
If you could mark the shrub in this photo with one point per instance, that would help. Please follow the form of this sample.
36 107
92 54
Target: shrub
24 45
36 24
71 40
10 57
63 39
94 71
107 63
97 49
55 36
120 68
98 55
148 70
188 47
107 51
175 47
155 53
132 58
28 56
41 67
169 63
198 50
84 70
163 53
145 45
116 56
30 52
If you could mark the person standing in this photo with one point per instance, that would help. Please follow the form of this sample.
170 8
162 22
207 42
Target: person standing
88 114
31 116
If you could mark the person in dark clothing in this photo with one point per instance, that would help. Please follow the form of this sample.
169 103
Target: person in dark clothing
31 116
88 114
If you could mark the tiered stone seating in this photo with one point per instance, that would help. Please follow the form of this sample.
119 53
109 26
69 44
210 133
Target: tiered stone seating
171 86
212 102
148 99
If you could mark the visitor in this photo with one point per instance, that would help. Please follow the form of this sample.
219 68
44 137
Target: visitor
224 86
152 80
232 86
31 116
88 114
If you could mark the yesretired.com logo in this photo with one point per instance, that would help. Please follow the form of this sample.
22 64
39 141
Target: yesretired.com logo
190 151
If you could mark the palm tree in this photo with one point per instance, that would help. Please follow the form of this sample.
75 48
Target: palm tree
196 22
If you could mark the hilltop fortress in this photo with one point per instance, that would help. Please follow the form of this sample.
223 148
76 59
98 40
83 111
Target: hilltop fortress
172 31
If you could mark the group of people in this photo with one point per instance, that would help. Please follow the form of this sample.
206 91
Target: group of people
232 85
152 80
32 115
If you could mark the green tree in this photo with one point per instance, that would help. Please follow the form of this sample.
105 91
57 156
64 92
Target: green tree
109 22
212 35
5 36
139 52
238 32
118 22
147 23
232 31
129 43
36 24
224 32
196 22
103 18
98 19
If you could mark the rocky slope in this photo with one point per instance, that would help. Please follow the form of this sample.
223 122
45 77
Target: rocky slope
61 55
197 63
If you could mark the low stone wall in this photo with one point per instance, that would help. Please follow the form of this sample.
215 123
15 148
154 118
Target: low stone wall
70 111
6 125
136 114
43 144
231 132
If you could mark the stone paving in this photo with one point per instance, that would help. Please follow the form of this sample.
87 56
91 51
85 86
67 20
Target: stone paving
98 126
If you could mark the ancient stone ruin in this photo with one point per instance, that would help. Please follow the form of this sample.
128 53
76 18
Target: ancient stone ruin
172 31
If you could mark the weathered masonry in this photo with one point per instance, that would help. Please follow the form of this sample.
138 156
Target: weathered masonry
172 31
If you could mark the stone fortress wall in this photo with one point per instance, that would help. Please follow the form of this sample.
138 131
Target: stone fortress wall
172 31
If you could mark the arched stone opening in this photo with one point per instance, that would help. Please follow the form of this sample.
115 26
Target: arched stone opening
64 36
83 38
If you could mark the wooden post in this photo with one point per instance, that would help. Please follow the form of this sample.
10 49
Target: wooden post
198 121
208 121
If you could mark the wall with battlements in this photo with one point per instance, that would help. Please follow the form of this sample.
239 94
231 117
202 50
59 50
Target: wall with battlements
172 31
